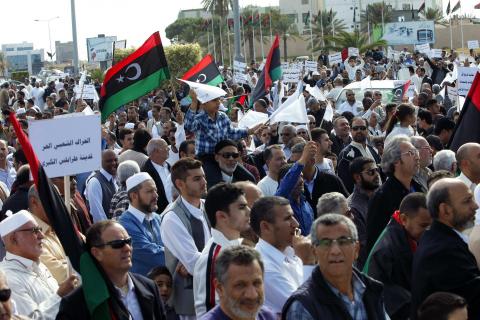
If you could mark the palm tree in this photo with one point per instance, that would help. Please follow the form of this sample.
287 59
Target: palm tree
217 7
325 24
3 64
436 15
373 15
354 39
286 28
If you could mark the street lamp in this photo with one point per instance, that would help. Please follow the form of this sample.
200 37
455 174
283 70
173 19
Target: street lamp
49 33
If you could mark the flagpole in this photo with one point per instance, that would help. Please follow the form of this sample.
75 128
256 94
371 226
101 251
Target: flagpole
261 34
208 39
321 27
270 21
243 35
310 22
213 41
253 38
383 20
229 48
221 43
451 32
461 22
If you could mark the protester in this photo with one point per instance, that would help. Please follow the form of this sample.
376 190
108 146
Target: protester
120 202
444 305
274 159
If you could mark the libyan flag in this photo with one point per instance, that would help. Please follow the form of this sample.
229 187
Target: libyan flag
96 286
272 71
205 72
398 92
134 76
467 128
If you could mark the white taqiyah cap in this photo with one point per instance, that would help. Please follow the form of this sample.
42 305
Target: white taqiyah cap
315 73
129 125
15 221
21 111
136 179
205 92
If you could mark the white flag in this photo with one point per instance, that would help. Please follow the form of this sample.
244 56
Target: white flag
315 91
252 118
328 115
292 112
365 84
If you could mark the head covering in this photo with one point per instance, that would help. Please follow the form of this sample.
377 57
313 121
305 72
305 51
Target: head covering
136 179
315 73
21 111
15 221
129 125
205 92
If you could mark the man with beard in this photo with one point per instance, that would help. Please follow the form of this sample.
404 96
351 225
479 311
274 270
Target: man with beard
442 261
142 224
227 167
366 176
185 230
357 148
239 284
7 171
426 156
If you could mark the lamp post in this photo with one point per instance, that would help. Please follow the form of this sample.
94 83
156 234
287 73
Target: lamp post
49 33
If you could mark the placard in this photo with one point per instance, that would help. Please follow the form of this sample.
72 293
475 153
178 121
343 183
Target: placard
335 58
472 44
423 48
353 52
251 119
67 146
291 75
311 65
465 79
436 53
239 75
89 92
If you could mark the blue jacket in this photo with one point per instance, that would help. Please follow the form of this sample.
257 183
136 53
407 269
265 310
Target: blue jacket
147 253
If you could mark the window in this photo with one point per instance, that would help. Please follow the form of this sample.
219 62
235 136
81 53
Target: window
406 6
292 17
305 1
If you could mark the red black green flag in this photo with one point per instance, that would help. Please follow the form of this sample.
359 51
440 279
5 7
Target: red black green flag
134 76
272 71
205 72
399 92
467 128
422 7
456 7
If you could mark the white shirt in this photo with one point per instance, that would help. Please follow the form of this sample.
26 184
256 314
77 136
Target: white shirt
200 277
356 108
325 166
226 178
164 174
398 130
130 300
177 239
268 186
93 193
34 289
283 274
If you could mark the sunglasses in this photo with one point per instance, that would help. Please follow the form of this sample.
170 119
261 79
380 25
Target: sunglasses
228 155
5 294
116 244
355 128
371 172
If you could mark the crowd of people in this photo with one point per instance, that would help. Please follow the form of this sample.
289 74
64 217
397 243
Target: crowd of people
368 215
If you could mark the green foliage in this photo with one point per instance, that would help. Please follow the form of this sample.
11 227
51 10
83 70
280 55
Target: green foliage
181 57
121 54
355 39
97 74
19 75
286 28
436 15
217 7
323 24
184 30
373 14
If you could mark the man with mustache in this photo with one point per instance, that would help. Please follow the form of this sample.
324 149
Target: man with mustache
442 261
239 284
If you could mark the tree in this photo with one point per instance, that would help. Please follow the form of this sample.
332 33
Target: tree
181 57
120 54
3 64
97 74
354 39
374 13
324 24
436 15
184 30
217 7
286 28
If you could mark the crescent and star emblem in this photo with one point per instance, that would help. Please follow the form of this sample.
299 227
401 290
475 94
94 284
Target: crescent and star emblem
201 78
138 73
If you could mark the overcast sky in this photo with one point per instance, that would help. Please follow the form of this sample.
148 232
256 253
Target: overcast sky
133 20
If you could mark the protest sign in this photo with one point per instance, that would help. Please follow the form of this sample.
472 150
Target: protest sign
353 52
311 65
251 119
89 92
67 146
465 79
472 44
423 48
335 58
291 75
239 75
436 53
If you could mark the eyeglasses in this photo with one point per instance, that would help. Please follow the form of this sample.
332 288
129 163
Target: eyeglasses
116 244
35 230
228 155
411 153
284 134
371 172
362 128
342 242
5 294
425 148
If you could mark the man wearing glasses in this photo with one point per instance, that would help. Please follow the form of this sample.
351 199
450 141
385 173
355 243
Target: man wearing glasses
133 296
336 289
357 148
34 289
227 167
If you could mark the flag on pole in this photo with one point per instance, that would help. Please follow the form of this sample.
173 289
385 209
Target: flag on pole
205 72
134 76
292 110
456 7
422 7
399 92
467 128
271 72
307 18
448 8
477 6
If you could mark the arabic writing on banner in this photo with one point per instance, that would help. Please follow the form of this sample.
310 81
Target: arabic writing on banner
335 58
465 79
67 146
239 75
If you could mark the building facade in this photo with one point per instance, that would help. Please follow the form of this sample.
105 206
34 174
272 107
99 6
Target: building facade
63 52
22 57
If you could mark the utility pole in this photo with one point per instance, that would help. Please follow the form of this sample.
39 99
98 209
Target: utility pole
74 36
236 31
